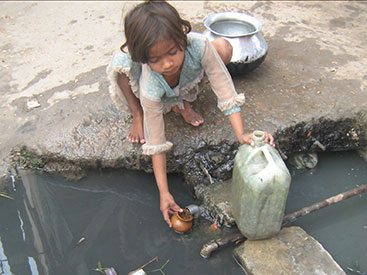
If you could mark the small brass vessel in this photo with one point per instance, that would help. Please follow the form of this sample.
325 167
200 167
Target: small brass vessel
182 221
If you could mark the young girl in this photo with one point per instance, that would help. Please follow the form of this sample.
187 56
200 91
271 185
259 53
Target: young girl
165 68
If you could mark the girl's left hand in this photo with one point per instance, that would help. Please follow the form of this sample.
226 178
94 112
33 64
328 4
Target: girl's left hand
269 139
246 138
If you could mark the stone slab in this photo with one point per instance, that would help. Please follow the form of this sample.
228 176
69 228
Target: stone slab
292 251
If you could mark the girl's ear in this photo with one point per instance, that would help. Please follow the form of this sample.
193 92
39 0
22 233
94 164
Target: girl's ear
182 47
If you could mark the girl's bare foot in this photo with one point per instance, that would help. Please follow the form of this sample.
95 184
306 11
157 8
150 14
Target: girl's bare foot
136 134
189 115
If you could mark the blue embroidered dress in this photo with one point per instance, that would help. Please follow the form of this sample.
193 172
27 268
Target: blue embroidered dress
201 63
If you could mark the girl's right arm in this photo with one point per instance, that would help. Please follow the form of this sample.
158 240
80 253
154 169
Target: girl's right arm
167 203
156 146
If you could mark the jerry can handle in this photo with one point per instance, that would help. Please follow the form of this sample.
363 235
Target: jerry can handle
267 155
265 151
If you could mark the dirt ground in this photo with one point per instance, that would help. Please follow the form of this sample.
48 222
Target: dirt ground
54 89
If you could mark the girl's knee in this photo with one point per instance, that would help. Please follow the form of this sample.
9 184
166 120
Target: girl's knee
224 49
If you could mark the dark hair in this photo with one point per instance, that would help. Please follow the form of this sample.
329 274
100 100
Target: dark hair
149 23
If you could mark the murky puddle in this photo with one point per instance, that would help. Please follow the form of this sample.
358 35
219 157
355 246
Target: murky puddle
58 227
341 228
115 214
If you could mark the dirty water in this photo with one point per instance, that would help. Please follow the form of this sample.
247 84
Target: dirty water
115 218
58 227
341 228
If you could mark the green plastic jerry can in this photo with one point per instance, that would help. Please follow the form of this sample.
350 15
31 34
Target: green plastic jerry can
260 185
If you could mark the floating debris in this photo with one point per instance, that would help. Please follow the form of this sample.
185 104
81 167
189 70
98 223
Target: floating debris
140 270
6 196
82 239
161 268
110 271
105 270
355 270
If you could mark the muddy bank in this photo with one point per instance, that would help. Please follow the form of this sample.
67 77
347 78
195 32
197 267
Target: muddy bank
99 142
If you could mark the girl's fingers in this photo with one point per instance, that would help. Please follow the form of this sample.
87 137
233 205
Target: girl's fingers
167 219
246 138
172 211
249 140
269 139
175 209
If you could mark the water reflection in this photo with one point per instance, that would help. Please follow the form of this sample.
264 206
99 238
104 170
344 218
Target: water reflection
117 215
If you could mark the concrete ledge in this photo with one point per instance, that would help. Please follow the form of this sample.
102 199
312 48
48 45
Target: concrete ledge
216 200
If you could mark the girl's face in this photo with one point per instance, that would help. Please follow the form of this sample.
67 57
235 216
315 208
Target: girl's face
166 58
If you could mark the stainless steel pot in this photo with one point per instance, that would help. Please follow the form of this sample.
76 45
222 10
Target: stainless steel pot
243 32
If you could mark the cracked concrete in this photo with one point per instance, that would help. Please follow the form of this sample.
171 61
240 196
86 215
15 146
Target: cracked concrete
55 54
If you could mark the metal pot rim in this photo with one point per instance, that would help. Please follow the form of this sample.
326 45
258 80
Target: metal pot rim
221 16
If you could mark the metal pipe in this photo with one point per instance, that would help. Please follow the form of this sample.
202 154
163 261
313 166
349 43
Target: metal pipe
208 248
213 245
194 210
